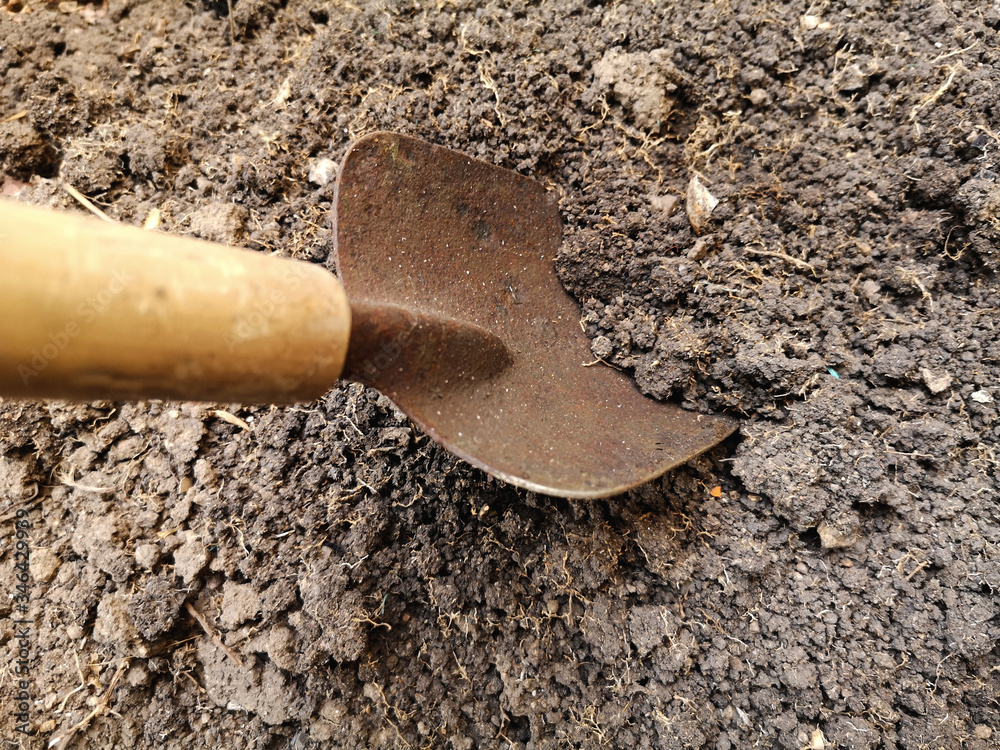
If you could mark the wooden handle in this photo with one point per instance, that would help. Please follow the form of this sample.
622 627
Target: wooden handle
91 310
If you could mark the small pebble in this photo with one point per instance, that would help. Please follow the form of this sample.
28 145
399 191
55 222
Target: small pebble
322 171
664 203
700 204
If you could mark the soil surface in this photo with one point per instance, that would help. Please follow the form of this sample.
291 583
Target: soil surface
326 576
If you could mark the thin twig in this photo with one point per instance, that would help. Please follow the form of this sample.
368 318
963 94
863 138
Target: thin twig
784 256
232 23
946 55
232 419
68 479
61 743
85 202
600 361
15 116
931 98
210 632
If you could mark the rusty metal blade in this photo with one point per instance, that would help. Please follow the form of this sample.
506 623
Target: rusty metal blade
461 321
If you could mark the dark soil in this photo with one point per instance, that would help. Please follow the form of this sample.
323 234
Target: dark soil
840 587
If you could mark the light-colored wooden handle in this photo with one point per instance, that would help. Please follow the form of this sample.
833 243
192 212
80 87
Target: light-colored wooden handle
91 310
